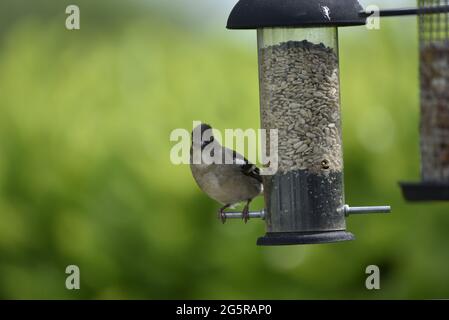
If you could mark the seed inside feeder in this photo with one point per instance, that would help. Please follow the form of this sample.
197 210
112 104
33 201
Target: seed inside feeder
300 98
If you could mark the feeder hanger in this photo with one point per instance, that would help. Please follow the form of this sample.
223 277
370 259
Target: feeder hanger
406 11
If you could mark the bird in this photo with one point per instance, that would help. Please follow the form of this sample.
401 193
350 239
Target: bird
227 183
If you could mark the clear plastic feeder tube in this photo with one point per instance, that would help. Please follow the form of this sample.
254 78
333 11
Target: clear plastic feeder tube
300 97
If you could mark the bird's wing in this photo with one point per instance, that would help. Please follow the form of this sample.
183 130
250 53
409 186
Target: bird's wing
247 167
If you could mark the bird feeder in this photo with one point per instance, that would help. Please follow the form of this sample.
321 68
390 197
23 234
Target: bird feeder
300 97
434 127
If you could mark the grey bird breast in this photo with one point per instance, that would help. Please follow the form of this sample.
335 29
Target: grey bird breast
225 183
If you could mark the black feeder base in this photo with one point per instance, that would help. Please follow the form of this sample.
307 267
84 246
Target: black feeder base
425 191
291 238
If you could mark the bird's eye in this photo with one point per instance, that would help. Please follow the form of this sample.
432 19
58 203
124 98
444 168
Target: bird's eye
206 142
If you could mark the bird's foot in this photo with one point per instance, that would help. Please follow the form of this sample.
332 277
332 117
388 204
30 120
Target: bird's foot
222 215
245 213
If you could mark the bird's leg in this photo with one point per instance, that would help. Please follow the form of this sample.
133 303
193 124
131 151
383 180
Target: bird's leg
245 212
221 214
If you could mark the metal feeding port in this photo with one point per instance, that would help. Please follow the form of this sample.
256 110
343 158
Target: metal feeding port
300 98
434 126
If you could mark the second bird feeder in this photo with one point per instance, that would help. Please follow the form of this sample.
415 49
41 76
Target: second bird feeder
300 97
434 127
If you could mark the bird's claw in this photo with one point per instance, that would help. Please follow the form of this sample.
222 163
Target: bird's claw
245 214
222 216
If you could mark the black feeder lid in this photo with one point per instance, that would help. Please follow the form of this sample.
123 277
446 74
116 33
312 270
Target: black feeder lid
254 14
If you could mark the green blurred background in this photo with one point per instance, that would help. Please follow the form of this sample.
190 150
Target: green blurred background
85 176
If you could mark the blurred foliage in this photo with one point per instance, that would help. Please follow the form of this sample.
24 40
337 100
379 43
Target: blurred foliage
85 176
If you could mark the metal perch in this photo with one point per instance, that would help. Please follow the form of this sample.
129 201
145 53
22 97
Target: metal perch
252 215
346 210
